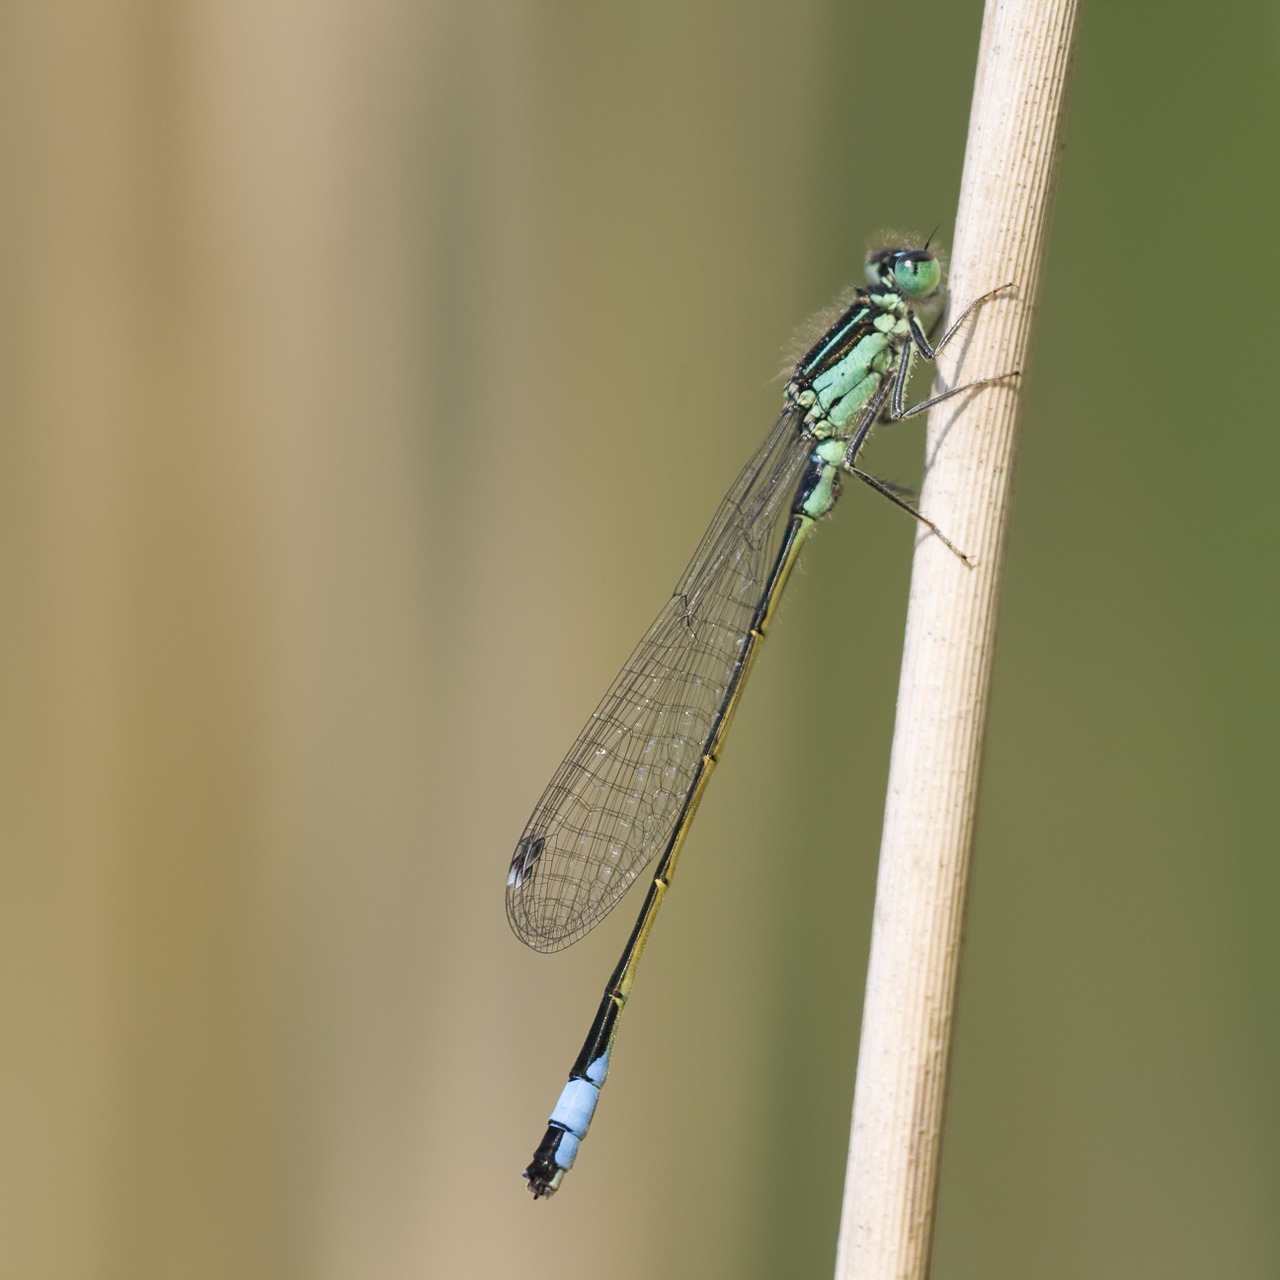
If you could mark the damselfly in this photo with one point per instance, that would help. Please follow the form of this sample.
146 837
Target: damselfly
627 791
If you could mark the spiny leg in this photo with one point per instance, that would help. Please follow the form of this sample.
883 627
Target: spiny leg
887 491
897 414
895 410
868 420
919 343
922 343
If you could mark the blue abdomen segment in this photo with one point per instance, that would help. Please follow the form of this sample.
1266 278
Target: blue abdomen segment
567 1126
577 1102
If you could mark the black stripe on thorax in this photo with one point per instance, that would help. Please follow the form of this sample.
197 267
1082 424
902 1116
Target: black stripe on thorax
855 324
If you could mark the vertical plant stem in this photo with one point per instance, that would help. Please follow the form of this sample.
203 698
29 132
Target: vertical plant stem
1001 231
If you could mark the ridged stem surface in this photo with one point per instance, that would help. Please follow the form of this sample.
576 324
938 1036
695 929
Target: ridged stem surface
1002 228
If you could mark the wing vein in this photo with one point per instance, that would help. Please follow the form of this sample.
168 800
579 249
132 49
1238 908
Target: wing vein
613 803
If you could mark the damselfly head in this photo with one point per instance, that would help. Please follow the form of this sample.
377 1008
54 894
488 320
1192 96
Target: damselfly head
915 273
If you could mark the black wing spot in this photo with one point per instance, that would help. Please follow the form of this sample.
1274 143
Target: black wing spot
686 612
525 858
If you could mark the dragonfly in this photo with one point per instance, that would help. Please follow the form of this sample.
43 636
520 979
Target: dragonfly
627 791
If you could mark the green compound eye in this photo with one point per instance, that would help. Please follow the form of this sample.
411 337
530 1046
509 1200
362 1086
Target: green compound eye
917 273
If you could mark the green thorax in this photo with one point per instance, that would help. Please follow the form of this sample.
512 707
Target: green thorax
847 367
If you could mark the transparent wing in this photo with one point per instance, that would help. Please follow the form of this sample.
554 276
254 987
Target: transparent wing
613 803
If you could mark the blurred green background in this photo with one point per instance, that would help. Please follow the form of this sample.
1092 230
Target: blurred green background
370 371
